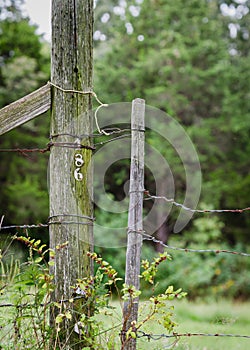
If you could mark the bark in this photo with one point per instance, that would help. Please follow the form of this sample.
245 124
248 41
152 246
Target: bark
135 219
71 207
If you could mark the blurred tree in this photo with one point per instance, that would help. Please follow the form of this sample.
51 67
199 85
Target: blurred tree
190 60
24 66
11 9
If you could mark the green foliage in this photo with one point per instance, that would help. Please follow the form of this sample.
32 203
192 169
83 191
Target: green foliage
157 310
24 176
19 80
22 60
27 295
203 275
209 276
182 59
8 271
150 270
26 292
24 67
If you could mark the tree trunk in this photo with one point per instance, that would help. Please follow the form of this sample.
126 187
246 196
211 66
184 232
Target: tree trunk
70 178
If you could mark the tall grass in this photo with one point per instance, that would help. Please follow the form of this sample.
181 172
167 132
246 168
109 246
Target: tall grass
223 317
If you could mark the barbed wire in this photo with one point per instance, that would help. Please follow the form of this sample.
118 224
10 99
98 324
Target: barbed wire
110 131
31 226
88 220
171 200
29 305
189 250
73 145
87 92
113 139
24 151
101 132
149 336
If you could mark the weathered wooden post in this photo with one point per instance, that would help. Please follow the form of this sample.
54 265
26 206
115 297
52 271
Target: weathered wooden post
135 217
71 208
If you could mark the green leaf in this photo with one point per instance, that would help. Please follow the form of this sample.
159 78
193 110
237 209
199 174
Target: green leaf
68 315
132 335
59 318
169 290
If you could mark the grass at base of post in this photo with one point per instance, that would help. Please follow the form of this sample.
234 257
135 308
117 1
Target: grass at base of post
223 317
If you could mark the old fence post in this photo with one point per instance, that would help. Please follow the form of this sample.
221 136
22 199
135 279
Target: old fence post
71 209
135 217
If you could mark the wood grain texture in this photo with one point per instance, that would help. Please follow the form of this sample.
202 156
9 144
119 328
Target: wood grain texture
135 216
25 109
71 200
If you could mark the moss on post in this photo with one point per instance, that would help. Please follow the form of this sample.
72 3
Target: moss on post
71 207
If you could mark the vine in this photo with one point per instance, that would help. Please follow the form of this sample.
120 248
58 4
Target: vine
29 294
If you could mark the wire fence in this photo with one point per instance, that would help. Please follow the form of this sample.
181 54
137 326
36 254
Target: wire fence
150 336
190 250
112 135
170 200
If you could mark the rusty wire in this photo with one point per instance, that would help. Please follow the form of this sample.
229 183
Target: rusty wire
148 196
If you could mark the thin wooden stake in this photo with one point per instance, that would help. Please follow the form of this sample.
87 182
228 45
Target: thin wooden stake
135 217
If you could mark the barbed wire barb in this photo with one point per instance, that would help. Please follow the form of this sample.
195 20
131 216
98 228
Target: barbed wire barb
149 336
88 220
24 151
171 200
190 250
113 139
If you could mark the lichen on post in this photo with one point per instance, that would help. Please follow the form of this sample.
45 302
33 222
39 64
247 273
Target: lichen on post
70 179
